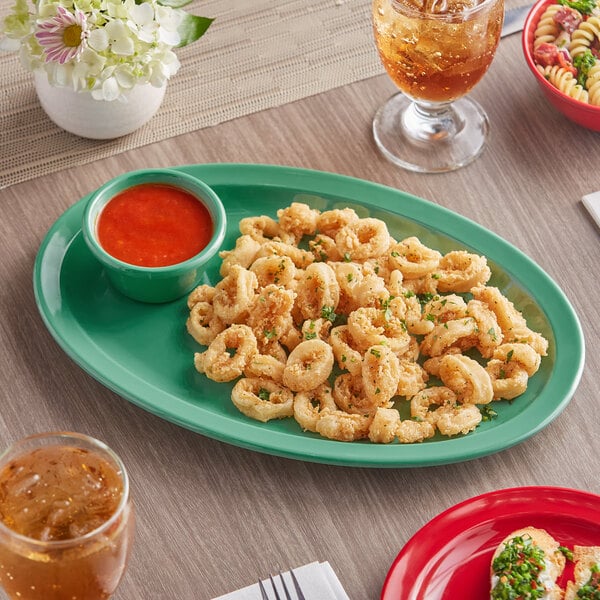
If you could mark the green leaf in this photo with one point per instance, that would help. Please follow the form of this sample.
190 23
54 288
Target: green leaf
192 28
583 6
173 3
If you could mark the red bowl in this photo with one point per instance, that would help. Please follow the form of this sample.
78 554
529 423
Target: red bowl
583 114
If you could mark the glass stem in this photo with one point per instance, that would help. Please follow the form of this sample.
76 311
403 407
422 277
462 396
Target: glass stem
431 121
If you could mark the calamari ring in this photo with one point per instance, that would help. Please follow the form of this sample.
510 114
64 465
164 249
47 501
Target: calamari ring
330 222
371 291
413 432
416 321
413 352
384 425
262 399
202 324
276 270
316 328
420 403
413 258
308 365
380 374
349 396
370 326
455 419
273 348
324 249
423 285
244 253
467 379
432 365
441 309
395 283
342 426
264 229
309 406
301 258
448 334
347 357
513 324
509 380
217 363
363 239
265 366
413 378
234 295
348 276
291 337
298 219
202 293
522 354
459 271
271 313
318 289
489 335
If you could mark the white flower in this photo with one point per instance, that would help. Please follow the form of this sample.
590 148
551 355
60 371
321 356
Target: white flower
169 22
142 22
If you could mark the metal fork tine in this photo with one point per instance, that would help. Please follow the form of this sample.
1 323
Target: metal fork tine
287 593
297 586
299 594
277 596
263 592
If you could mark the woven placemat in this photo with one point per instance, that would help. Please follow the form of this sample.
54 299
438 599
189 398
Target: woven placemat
258 54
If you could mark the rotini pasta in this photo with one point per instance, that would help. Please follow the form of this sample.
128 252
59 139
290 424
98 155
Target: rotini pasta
584 35
566 46
547 29
340 340
592 84
563 80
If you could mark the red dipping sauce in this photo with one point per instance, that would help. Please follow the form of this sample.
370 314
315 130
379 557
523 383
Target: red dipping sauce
154 225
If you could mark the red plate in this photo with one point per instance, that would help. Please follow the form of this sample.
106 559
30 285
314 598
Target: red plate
450 556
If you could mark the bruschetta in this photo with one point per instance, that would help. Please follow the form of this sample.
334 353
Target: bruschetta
586 584
526 565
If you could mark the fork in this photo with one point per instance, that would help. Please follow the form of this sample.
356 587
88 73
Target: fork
299 594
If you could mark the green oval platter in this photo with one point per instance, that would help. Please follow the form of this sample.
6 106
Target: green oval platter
143 352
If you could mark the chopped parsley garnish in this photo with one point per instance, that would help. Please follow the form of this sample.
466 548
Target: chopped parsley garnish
566 552
583 63
487 413
264 394
328 313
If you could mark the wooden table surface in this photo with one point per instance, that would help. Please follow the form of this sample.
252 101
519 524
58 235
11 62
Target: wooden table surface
213 517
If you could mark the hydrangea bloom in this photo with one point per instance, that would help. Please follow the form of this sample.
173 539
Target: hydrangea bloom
104 47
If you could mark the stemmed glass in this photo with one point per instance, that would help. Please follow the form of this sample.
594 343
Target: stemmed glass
435 51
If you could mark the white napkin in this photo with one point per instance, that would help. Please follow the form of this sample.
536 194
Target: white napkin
317 580
592 203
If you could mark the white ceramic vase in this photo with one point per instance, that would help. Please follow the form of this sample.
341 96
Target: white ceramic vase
81 114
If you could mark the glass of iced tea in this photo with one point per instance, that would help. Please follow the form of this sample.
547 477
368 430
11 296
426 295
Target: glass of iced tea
66 518
435 51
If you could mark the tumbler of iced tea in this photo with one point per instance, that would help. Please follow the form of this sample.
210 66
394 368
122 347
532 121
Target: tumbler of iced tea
435 51
66 518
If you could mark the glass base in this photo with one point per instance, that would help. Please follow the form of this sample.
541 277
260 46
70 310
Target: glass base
430 137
